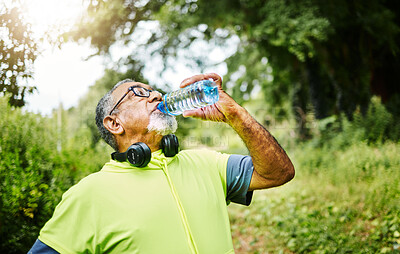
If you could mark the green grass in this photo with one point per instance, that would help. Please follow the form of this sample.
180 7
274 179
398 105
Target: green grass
341 201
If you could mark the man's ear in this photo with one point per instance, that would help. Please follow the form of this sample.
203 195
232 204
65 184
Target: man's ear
113 125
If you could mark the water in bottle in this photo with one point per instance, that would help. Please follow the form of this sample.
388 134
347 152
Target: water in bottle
197 95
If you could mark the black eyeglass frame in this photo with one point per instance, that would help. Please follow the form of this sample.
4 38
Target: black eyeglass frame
131 88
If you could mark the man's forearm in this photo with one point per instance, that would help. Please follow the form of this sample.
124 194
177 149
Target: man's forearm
272 166
269 159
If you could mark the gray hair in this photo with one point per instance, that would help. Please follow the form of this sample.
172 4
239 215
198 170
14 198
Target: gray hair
102 110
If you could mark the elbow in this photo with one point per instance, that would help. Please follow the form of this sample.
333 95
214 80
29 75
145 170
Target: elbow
280 176
289 173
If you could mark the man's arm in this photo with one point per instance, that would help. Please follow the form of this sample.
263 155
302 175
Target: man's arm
272 166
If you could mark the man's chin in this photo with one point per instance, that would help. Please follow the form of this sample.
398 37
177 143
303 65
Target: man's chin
161 123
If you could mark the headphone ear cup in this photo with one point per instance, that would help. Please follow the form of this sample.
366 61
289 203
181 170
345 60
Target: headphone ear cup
138 154
170 145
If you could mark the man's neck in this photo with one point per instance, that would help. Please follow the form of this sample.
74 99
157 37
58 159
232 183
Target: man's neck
152 140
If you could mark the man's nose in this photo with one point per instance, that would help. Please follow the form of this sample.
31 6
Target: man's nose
155 96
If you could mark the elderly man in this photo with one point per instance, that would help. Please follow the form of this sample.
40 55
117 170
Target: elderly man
170 202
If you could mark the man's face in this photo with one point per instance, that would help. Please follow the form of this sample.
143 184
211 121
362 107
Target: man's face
139 114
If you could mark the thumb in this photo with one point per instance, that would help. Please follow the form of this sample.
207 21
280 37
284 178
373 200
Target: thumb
191 113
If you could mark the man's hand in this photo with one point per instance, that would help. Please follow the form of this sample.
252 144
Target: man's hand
272 166
218 112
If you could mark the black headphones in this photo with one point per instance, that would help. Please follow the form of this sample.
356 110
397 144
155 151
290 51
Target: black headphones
139 154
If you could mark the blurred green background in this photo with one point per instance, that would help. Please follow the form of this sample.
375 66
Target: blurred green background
321 76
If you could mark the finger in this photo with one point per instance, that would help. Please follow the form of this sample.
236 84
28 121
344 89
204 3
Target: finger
192 80
192 113
215 77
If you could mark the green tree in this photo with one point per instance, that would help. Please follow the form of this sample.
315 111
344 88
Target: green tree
325 57
18 51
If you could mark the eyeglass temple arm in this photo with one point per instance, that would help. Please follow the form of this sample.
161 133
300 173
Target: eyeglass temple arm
116 104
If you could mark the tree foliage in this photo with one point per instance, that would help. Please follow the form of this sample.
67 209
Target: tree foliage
325 57
18 51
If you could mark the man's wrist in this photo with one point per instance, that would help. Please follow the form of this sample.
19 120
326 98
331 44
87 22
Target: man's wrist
237 115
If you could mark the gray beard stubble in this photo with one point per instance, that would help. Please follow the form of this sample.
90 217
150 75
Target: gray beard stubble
162 123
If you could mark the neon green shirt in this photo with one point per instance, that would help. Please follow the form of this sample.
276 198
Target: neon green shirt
174 205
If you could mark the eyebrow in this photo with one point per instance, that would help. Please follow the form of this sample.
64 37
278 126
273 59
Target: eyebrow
143 86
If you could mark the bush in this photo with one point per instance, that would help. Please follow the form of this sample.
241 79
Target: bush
39 161
376 126
33 176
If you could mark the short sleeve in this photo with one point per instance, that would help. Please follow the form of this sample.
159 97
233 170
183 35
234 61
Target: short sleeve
238 177
41 248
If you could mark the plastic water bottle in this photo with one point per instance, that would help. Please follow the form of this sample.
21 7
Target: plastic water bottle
197 95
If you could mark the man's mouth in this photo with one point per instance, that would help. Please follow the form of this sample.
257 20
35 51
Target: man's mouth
154 109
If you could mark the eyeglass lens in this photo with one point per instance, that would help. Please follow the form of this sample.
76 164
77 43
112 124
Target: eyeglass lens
140 91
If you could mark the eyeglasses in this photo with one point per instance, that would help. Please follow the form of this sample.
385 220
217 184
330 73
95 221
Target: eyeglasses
137 90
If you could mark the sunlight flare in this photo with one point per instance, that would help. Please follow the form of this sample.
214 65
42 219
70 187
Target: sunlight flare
52 15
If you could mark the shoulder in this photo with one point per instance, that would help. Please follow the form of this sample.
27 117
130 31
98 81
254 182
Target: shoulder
205 159
202 153
85 185
203 156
